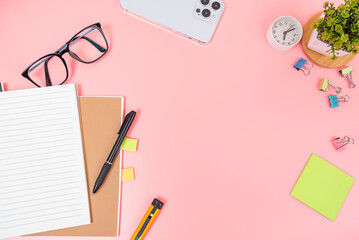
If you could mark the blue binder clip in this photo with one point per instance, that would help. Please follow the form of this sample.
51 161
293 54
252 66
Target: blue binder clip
304 66
334 100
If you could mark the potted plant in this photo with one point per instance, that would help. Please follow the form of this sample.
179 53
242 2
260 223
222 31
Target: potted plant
336 33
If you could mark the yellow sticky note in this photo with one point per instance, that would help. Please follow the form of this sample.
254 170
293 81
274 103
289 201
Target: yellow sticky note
127 174
129 144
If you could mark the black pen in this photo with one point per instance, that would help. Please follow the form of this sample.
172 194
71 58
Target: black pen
121 135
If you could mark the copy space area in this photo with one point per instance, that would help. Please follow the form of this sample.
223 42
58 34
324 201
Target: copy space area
224 128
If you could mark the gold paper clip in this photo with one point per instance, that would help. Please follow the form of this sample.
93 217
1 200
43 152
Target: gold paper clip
325 86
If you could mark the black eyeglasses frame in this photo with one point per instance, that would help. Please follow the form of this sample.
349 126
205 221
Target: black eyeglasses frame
66 49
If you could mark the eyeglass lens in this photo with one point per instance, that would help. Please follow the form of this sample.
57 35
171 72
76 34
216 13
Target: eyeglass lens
50 69
88 45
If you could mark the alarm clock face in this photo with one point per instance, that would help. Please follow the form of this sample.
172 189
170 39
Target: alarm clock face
286 31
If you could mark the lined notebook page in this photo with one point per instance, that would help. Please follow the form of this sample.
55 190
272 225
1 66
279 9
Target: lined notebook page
42 173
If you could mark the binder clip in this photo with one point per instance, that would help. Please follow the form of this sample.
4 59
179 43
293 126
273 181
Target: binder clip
347 74
334 100
341 144
325 86
303 65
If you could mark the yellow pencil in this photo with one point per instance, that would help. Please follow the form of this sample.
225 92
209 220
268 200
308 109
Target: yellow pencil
147 220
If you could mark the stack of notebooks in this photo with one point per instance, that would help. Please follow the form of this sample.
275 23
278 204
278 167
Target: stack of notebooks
52 147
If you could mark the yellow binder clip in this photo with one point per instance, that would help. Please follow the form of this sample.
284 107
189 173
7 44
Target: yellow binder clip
347 74
325 86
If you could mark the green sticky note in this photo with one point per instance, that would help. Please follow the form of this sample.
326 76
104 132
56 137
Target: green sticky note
322 187
129 144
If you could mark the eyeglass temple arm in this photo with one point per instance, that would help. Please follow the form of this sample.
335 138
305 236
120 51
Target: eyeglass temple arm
47 75
96 45
45 59
75 39
101 49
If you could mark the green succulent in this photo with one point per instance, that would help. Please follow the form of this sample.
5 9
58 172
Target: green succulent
340 27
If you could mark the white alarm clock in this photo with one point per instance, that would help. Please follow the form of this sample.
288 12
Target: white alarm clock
284 33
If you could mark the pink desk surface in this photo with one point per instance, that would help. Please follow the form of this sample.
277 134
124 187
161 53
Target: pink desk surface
225 129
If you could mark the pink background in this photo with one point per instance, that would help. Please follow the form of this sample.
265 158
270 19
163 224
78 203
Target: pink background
225 128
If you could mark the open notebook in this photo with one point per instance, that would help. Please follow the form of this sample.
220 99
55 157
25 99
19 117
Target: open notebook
42 173
101 118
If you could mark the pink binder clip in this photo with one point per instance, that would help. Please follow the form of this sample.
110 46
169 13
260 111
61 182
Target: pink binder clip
341 144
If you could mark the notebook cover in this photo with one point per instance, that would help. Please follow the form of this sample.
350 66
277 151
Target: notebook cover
101 118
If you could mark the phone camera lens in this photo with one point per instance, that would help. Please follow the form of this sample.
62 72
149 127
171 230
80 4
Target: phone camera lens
206 13
198 10
216 5
204 2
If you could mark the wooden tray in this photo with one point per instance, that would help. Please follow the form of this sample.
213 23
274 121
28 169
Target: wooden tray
319 59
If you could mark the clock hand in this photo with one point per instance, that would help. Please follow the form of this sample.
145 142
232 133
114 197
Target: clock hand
290 30
285 32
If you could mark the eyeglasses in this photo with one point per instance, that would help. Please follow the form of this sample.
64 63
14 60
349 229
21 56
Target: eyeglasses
87 46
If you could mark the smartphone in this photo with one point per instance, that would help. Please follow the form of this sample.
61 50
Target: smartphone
195 19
